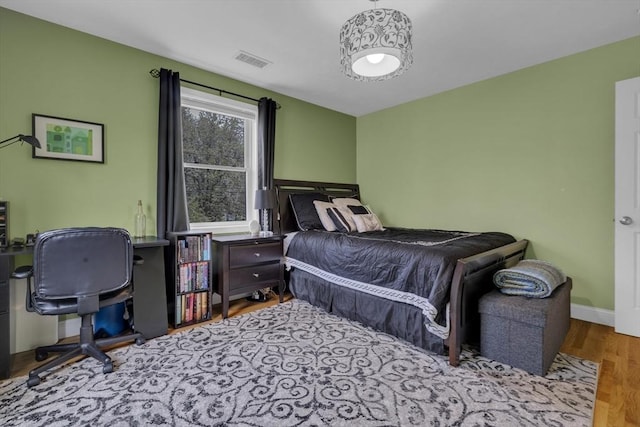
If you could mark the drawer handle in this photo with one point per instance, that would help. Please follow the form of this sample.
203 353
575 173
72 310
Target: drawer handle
257 254
256 275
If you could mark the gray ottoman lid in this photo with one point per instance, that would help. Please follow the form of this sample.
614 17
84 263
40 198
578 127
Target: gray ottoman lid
533 311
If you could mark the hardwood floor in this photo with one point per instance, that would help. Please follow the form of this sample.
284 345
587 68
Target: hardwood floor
618 396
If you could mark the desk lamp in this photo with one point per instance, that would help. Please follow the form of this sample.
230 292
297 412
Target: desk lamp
32 140
264 201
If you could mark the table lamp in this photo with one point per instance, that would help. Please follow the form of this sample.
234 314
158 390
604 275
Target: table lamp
32 140
264 201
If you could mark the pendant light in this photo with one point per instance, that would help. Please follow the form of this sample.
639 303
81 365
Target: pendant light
376 45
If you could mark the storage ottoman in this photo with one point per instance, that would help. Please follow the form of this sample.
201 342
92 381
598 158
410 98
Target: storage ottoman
524 332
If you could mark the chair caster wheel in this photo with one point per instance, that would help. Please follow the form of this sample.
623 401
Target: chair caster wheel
41 355
33 381
140 341
107 368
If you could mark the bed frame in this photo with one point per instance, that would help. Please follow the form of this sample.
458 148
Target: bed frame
472 277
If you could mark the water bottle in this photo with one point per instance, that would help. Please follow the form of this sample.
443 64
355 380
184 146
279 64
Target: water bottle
140 228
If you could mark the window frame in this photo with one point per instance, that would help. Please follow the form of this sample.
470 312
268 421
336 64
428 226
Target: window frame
192 98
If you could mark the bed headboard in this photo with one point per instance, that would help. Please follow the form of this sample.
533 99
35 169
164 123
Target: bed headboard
285 222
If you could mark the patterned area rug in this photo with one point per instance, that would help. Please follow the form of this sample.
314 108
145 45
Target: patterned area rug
293 364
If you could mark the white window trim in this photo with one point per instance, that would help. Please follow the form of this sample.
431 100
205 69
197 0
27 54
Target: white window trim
206 101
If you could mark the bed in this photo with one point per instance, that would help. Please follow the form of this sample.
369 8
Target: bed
420 285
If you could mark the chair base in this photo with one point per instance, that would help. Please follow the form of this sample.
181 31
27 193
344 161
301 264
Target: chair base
87 346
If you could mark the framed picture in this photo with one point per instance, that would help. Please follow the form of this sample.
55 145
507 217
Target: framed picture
67 139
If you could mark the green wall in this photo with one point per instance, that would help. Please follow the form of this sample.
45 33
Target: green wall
530 153
53 70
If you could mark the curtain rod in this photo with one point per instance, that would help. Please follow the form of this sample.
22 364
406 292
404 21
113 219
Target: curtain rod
156 74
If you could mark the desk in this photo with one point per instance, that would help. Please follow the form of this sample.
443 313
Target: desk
149 298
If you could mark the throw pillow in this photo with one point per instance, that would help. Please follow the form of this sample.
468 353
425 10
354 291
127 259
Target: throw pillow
368 222
325 219
305 211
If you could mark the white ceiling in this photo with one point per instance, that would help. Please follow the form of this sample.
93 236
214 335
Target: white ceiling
456 42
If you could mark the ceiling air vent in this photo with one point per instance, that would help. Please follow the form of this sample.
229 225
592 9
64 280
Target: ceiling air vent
251 59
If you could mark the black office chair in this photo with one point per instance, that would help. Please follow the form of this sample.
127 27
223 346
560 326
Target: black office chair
79 270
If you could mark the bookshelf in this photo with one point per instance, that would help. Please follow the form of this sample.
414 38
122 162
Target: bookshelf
189 277
4 224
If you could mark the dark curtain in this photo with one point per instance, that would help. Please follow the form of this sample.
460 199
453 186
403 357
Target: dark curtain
172 194
266 145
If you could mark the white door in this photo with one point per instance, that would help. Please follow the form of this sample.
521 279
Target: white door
627 209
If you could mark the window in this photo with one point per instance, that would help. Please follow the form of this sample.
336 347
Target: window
219 138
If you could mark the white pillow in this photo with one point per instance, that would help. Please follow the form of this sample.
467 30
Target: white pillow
343 204
348 216
360 221
368 222
325 219
346 201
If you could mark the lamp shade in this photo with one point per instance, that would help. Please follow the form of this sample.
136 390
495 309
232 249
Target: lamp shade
376 45
32 140
265 199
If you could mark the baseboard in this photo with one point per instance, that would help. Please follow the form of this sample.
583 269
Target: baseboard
600 316
70 327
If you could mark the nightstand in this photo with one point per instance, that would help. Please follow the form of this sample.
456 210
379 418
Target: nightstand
243 264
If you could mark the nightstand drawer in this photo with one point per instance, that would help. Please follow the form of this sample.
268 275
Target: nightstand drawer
248 276
244 264
254 253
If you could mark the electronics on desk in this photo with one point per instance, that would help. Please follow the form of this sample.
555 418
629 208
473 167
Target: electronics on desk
17 242
31 239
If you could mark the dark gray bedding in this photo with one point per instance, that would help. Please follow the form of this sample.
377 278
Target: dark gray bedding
398 319
406 266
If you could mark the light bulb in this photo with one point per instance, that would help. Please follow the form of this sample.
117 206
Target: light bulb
375 58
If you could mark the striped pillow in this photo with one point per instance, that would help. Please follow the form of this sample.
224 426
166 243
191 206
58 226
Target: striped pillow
322 209
340 220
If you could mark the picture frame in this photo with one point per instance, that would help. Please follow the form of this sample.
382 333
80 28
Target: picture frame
68 139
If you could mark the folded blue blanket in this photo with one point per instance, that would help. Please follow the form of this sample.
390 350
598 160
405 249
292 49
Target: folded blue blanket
530 278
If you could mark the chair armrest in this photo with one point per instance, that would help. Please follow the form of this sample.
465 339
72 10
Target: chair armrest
25 272
22 272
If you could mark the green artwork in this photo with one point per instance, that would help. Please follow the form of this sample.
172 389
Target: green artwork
68 139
